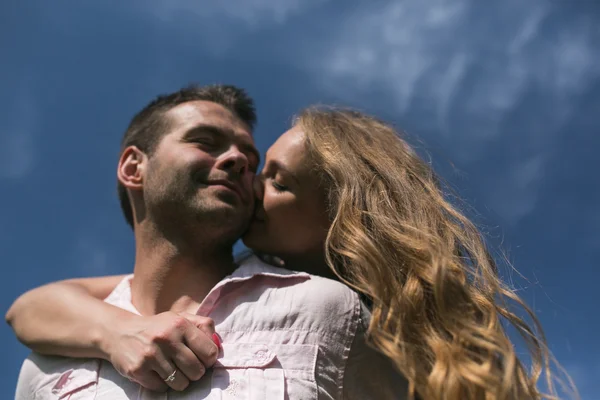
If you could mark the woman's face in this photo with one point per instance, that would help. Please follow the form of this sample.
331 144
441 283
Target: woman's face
290 219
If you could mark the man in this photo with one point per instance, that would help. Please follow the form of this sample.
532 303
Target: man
185 185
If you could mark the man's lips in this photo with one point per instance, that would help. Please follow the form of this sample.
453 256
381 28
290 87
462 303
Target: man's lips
232 187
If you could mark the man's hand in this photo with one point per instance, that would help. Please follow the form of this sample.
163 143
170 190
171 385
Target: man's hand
147 350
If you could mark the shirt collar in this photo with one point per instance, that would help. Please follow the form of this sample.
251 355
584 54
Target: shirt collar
249 268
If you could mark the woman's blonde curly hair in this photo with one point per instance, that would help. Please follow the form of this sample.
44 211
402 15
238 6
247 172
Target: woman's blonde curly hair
438 304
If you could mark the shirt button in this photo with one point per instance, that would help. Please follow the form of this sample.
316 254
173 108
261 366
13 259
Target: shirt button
261 355
233 388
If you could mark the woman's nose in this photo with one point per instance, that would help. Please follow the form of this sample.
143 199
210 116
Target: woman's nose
258 188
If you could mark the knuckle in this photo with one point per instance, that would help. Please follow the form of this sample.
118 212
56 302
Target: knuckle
128 373
161 336
179 323
208 323
135 371
149 353
197 371
212 353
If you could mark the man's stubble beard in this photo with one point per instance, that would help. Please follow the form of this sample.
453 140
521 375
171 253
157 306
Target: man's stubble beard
181 209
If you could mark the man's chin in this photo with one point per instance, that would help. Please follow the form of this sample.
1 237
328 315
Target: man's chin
255 238
225 218
228 211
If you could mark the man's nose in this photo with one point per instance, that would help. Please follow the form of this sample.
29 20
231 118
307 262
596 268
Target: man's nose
234 161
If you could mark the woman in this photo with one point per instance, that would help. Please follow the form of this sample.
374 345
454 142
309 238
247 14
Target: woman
343 195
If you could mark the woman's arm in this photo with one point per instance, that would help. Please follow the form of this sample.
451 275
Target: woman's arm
68 318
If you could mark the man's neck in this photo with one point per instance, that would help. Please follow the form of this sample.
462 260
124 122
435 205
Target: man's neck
175 277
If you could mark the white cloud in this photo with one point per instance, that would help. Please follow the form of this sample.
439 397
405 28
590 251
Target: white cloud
439 51
215 26
576 56
414 46
249 12
431 48
528 30
393 46
523 180
17 149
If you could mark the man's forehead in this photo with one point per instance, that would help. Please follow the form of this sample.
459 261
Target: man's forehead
199 112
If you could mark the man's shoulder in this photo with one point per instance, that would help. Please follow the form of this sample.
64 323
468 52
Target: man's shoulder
314 292
330 294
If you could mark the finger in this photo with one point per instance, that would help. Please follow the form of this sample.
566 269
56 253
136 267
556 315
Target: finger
175 379
187 362
202 346
170 375
205 324
151 380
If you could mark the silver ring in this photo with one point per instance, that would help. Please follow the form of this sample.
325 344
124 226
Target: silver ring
171 377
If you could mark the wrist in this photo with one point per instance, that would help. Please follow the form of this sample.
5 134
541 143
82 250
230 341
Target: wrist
105 336
101 340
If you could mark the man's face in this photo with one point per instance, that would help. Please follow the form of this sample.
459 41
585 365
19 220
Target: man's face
201 172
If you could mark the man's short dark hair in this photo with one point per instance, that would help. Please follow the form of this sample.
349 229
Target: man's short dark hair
148 126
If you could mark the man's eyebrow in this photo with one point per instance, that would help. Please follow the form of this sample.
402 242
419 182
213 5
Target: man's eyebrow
207 128
220 131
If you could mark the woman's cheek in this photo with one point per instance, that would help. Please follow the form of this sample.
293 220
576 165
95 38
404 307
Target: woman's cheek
282 214
268 203
274 201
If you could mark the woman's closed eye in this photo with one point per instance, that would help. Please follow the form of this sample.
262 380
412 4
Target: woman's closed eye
278 186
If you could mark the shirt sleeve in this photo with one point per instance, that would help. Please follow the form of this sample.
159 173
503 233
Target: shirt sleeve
39 372
28 377
368 373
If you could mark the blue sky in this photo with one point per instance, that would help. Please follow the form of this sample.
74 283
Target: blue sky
504 96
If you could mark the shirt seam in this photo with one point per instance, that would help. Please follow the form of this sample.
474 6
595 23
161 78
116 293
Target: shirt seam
315 331
348 348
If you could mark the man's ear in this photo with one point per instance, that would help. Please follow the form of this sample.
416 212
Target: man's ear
132 165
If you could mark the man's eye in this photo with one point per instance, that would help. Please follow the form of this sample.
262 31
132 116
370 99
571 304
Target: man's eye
205 142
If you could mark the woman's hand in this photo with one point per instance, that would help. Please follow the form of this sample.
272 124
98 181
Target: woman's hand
69 319
147 350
